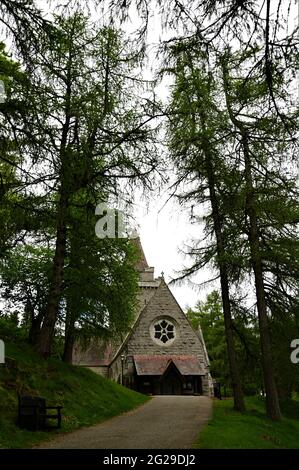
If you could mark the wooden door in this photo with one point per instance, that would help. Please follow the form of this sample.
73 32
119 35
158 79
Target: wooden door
171 384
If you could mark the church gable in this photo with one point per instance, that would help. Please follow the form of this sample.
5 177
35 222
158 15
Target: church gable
163 329
162 354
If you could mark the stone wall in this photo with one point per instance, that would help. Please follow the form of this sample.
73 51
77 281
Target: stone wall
162 305
101 370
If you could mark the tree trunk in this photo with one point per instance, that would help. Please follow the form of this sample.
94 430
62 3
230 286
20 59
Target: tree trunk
45 339
70 333
34 330
35 322
239 403
272 402
69 344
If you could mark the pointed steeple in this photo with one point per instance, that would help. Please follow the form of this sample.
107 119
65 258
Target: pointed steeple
142 263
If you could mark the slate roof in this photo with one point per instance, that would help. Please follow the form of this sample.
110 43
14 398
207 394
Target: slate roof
98 353
157 365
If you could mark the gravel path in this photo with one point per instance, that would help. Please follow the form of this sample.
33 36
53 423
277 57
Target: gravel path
165 422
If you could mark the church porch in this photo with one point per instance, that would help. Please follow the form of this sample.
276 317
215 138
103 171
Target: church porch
166 375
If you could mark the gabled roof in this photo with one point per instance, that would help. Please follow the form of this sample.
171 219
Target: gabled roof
157 365
143 313
126 340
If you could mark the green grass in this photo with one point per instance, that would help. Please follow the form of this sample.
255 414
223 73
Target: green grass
86 397
229 429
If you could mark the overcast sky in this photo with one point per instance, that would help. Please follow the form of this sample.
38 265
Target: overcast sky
163 230
165 227
162 233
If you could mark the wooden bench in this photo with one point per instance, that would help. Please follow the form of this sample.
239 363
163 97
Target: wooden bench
33 413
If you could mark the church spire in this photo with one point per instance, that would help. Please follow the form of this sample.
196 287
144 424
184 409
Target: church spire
142 263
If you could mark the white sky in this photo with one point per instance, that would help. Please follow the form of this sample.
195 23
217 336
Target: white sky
162 234
162 231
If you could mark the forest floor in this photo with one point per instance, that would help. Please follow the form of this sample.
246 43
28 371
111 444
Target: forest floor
86 397
229 429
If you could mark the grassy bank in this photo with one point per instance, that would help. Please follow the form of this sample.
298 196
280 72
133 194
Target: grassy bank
251 430
86 398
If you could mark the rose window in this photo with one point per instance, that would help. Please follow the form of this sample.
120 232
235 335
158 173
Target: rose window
164 331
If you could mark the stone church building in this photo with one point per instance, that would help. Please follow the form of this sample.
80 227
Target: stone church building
162 354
